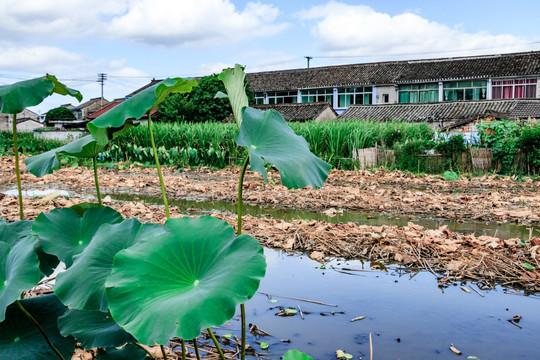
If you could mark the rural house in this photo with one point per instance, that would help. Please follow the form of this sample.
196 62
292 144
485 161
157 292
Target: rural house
504 77
27 120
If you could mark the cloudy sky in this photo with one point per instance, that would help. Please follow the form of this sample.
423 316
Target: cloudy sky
133 41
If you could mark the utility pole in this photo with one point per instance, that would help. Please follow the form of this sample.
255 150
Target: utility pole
101 79
308 58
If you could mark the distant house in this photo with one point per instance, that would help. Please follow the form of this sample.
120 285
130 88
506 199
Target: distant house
26 121
82 111
303 112
446 80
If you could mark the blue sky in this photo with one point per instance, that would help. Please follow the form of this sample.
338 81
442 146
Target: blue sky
135 40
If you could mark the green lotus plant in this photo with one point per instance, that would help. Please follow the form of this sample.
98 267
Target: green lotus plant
16 97
128 283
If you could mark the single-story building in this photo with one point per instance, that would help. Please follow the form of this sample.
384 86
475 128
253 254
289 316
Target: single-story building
472 78
27 120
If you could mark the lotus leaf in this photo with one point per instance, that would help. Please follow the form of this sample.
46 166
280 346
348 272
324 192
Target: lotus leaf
14 98
270 140
296 355
93 329
12 232
128 352
64 233
45 163
158 287
19 266
234 81
119 119
19 337
82 286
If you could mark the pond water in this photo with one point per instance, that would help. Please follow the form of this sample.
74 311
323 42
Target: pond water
502 230
397 305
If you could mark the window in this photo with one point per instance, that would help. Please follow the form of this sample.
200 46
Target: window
513 89
357 95
418 93
259 98
465 90
282 97
385 98
318 95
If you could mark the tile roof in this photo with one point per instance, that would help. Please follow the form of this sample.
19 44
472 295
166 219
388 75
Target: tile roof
509 109
104 109
398 72
88 103
299 112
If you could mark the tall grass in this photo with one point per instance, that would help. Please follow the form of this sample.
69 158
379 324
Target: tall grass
27 143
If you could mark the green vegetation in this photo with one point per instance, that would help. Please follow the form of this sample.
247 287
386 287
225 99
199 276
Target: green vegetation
27 143
59 113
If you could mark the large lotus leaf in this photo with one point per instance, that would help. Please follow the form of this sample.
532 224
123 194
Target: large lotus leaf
296 355
82 286
135 107
234 81
14 98
19 270
45 163
64 233
19 337
128 352
270 140
13 232
93 329
189 278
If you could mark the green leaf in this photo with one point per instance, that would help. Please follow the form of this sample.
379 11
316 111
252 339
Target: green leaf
159 286
45 163
528 266
14 98
93 329
82 207
270 140
343 355
290 311
119 118
128 352
450 176
13 232
21 339
65 233
296 355
264 345
19 264
82 286
234 81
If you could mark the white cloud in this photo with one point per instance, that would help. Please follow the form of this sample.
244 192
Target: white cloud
194 22
343 29
38 59
39 19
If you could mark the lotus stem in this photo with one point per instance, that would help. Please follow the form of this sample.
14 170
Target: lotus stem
196 348
216 342
98 194
240 187
146 350
25 312
163 352
243 316
158 167
183 349
17 170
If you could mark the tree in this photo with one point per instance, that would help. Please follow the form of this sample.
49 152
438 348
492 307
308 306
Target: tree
59 113
200 104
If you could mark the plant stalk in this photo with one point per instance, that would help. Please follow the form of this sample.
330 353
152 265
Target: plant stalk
238 233
243 315
196 348
98 194
17 170
183 349
163 352
146 350
216 342
25 312
158 167
240 187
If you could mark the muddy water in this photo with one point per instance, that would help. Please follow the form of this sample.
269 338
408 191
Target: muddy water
502 230
424 318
